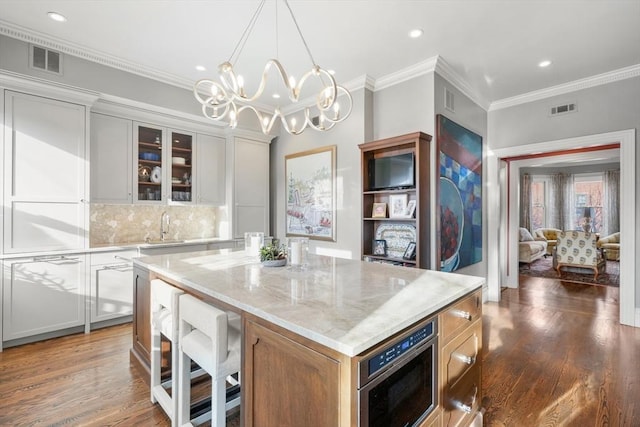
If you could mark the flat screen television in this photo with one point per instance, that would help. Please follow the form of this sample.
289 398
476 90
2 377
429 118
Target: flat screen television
392 172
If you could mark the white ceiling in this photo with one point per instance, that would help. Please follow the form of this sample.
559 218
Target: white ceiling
493 45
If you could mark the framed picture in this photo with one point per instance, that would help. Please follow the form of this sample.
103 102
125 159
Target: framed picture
397 205
379 210
380 247
310 178
410 252
411 209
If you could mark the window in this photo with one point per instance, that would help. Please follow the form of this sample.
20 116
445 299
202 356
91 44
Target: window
538 203
588 190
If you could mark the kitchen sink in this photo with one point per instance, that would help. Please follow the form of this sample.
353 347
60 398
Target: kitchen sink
162 242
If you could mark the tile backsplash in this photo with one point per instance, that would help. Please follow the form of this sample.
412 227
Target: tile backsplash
120 224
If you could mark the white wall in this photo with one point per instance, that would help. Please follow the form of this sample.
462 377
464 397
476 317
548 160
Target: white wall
601 109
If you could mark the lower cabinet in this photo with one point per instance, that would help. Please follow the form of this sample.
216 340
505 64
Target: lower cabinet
111 290
291 383
42 294
460 361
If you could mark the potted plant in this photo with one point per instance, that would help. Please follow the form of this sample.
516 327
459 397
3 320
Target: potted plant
273 254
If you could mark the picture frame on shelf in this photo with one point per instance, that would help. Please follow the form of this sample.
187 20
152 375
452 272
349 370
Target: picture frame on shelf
397 205
410 252
380 247
379 210
411 209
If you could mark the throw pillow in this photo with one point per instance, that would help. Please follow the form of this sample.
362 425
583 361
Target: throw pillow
525 236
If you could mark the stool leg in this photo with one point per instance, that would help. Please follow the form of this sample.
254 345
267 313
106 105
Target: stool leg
218 402
156 357
184 388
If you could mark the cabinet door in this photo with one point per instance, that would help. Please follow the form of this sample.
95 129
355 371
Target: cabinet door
111 159
148 148
180 166
211 170
111 291
42 294
44 174
287 383
250 187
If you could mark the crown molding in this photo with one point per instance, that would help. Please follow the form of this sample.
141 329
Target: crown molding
447 72
408 73
67 47
47 88
588 82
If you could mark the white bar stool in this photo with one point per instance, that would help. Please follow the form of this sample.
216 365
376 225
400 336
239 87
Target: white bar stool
208 338
164 321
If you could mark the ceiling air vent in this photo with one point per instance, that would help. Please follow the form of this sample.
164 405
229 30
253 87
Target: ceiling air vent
563 109
448 100
45 59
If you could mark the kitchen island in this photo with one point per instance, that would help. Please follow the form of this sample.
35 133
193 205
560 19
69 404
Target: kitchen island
304 332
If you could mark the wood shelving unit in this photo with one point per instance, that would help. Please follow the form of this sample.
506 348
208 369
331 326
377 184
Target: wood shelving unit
419 144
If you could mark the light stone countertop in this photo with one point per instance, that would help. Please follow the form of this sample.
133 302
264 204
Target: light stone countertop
346 305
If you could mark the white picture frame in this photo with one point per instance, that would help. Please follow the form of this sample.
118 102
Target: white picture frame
411 209
397 205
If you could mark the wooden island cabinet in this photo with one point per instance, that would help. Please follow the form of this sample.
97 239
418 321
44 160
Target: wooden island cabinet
306 333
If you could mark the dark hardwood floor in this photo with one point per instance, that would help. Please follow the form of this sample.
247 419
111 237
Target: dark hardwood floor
554 355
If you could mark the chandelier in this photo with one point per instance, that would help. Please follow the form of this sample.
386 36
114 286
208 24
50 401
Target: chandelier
226 99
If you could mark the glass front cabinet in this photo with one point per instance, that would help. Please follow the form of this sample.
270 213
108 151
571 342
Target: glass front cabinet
163 171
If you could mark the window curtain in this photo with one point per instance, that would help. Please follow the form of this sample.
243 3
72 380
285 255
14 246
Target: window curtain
611 202
561 201
525 201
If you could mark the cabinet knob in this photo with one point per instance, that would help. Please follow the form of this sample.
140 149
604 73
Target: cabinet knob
461 313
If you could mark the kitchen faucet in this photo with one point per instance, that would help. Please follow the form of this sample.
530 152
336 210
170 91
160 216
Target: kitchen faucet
165 219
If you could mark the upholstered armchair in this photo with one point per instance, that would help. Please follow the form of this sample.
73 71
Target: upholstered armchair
529 249
549 235
611 245
579 249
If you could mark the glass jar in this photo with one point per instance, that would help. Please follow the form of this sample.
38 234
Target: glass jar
297 250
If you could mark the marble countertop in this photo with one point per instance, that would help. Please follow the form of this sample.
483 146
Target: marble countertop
346 305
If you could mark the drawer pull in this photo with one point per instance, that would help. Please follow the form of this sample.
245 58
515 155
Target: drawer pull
467 408
122 258
462 314
54 258
117 266
469 360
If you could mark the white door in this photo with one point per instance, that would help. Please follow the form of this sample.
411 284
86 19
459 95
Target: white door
111 158
250 187
211 170
42 294
44 174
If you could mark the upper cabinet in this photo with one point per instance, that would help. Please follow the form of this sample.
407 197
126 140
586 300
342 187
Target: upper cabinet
44 174
111 159
134 162
250 186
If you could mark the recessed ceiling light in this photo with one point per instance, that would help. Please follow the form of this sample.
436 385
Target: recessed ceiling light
57 17
275 96
200 68
544 63
332 72
414 34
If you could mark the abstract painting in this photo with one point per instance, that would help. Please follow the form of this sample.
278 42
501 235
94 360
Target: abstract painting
459 195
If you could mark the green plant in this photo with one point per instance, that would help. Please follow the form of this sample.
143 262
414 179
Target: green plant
273 251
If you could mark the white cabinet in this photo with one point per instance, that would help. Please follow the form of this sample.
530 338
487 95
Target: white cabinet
111 290
44 174
42 294
111 159
210 182
250 186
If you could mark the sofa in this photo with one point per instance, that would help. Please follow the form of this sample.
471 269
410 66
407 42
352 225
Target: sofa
611 246
578 249
530 249
548 234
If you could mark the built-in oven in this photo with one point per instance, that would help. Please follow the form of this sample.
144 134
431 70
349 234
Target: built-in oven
398 381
